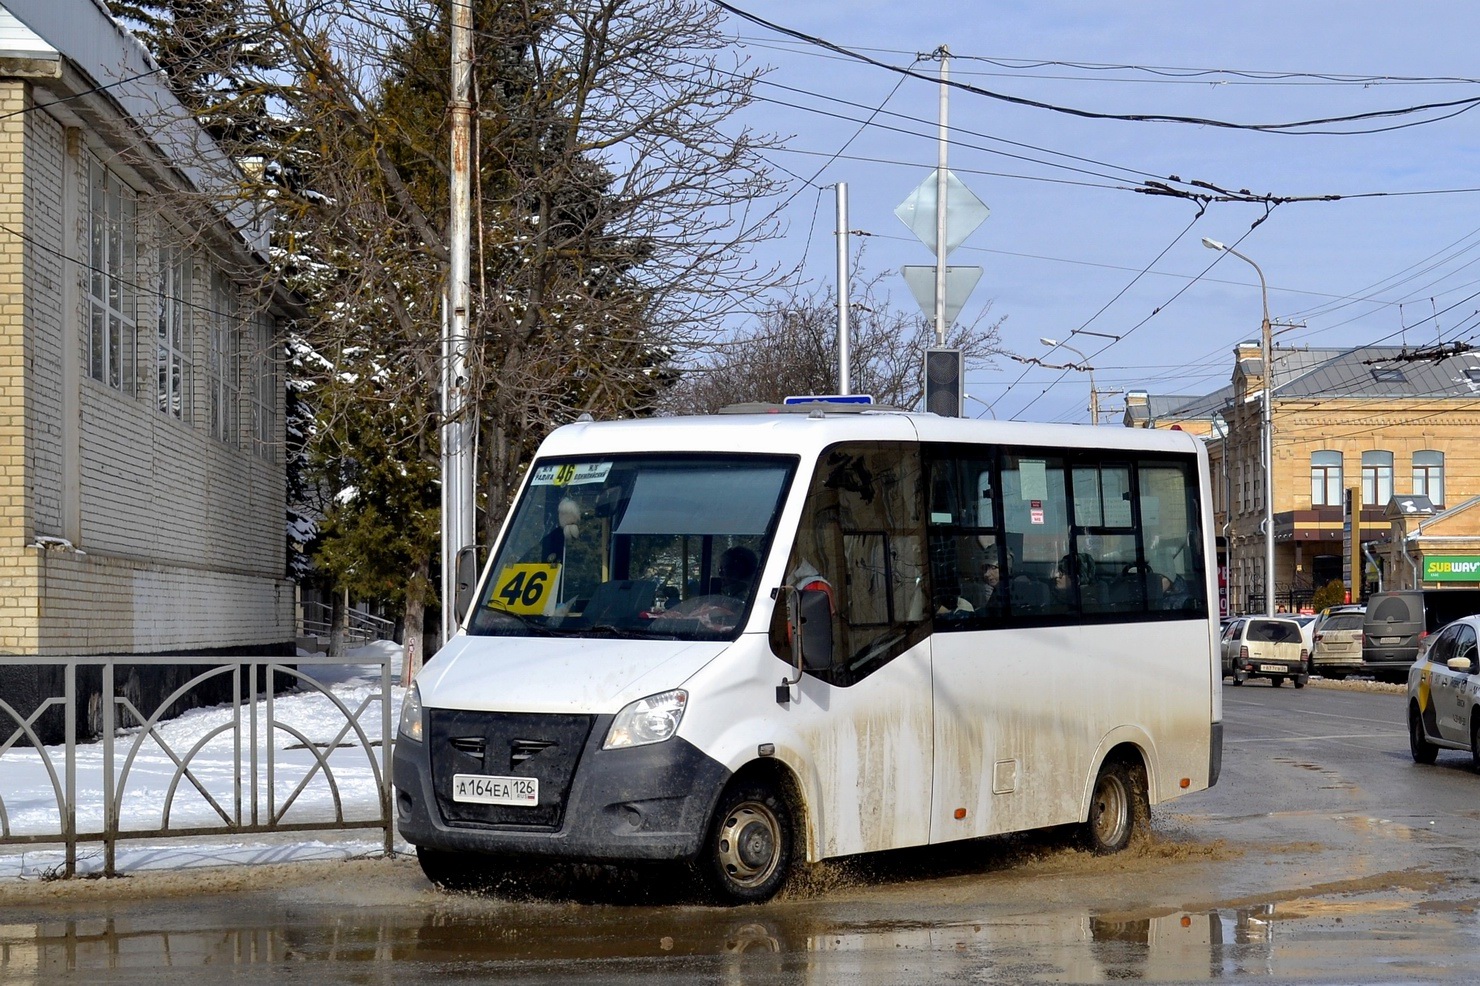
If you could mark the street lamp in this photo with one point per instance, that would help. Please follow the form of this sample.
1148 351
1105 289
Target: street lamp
1094 396
1266 425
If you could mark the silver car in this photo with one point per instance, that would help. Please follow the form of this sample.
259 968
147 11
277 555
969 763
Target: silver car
1338 645
1270 647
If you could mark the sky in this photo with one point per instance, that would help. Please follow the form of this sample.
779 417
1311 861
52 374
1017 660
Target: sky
1071 250
30 802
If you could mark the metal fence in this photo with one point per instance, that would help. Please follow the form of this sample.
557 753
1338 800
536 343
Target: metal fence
245 770
361 628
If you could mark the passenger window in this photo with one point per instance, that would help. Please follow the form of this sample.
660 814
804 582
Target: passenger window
1065 536
1442 649
1035 511
969 566
1465 647
863 533
1168 509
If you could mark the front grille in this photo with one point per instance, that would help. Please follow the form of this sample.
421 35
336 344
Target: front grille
502 744
470 745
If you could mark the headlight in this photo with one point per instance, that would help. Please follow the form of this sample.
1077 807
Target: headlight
411 714
648 720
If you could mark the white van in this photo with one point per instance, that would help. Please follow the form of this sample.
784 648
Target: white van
747 641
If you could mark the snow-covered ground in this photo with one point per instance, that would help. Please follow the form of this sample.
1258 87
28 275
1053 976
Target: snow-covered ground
316 724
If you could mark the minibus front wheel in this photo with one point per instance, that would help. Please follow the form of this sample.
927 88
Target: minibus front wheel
748 852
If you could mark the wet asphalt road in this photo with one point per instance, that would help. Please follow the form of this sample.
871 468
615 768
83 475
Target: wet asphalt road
1323 855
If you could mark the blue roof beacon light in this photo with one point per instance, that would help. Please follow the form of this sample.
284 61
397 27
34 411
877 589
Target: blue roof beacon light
830 399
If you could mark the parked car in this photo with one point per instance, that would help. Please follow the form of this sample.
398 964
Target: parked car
1444 692
1270 647
1397 621
1337 650
1307 623
1331 611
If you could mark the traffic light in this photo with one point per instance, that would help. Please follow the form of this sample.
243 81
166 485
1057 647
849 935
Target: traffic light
945 376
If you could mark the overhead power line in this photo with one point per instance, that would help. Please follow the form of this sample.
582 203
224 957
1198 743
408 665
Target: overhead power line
1455 106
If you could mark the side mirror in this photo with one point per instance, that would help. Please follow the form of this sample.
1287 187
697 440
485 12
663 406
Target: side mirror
467 580
1460 664
816 621
801 633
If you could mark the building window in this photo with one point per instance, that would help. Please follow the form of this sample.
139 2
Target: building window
1428 475
1325 479
1377 477
173 361
224 372
112 246
264 389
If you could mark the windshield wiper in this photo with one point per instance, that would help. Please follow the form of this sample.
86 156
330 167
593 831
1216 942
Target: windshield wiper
624 633
515 624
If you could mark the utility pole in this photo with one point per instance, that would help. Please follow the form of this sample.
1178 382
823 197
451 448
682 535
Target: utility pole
941 178
844 383
457 452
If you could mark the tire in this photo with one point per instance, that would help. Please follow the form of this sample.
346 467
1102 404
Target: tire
1239 677
748 854
1118 809
1276 681
1418 744
459 871
1299 680
1474 741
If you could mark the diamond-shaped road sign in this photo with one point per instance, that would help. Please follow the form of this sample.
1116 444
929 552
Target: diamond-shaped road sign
960 282
964 212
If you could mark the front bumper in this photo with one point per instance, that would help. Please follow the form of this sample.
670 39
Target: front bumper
649 803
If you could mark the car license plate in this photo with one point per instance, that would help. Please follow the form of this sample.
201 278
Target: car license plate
1274 668
1388 641
485 790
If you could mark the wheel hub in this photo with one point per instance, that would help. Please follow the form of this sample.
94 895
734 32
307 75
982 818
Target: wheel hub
749 844
755 844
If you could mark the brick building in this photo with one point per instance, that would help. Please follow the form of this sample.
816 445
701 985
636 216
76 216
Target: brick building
1373 423
141 397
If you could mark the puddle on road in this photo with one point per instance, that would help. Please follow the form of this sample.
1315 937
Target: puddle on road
1014 911
796 940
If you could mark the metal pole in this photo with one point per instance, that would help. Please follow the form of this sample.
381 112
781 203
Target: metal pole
844 384
457 479
1267 428
1083 364
1266 423
940 203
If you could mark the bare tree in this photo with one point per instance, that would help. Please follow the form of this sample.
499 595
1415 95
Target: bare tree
793 350
616 197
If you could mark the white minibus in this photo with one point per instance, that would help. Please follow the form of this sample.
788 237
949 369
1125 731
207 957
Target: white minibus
760 639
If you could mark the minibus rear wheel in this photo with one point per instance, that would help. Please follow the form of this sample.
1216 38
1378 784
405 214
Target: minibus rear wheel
1118 808
748 853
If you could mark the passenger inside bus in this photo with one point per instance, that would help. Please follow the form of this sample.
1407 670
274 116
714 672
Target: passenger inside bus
1074 573
737 568
567 526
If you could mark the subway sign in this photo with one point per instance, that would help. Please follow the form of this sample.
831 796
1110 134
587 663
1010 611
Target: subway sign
1451 568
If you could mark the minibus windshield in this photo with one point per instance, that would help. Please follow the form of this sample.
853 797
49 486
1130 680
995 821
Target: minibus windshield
661 546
